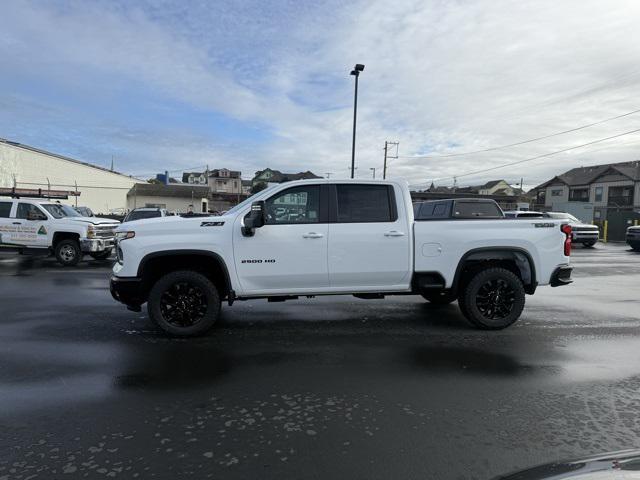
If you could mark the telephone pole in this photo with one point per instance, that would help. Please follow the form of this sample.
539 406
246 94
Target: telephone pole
373 169
328 174
386 156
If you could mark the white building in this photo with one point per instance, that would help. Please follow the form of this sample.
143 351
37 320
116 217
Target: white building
101 189
177 198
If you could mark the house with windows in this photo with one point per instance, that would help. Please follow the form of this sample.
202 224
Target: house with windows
195 178
268 175
224 180
614 186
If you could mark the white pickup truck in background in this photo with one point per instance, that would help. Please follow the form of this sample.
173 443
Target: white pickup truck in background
321 237
44 225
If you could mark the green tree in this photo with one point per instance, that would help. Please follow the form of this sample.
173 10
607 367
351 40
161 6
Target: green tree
258 187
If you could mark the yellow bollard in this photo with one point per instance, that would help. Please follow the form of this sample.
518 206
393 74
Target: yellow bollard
605 229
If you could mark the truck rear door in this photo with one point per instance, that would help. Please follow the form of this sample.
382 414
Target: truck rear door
369 237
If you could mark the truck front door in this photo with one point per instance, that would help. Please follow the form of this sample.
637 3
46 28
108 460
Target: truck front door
7 225
33 226
289 253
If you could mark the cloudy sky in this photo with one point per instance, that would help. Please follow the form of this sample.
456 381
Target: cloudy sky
243 84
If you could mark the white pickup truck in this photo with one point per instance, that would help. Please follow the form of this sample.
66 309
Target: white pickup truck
321 237
44 225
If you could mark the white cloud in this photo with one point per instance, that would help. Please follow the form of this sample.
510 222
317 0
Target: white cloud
440 77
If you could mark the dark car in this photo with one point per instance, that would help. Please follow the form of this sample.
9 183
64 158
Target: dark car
84 211
463 209
633 237
144 212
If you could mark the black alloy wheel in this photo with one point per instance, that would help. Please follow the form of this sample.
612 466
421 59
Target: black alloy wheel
184 303
495 299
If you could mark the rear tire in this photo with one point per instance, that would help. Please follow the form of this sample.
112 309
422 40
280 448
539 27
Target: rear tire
440 297
588 244
101 255
492 299
68 252
184 303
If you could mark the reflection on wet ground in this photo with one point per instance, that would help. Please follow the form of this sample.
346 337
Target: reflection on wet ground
330 387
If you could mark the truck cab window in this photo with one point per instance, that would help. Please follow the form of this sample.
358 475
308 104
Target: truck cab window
294 205
28 211
5 209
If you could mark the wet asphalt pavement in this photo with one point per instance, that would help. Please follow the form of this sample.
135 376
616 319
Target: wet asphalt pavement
314 389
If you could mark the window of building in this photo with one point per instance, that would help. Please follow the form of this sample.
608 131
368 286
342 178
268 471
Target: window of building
364 204
579 195
557 192
621 196
5 209
294 205
598 194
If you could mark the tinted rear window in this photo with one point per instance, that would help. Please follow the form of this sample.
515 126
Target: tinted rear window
477 210
364 204
434 210
5 209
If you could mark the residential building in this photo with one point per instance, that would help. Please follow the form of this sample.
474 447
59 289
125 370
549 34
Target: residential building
609 186
276 176
493 187
101 189
224 180
195 178
178 198
246 187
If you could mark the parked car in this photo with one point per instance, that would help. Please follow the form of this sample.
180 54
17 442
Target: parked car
349 237
84 211
633 237
463 208
523 214
584 233
41 224
144 212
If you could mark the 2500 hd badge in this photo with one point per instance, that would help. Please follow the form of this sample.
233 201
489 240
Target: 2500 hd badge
267 260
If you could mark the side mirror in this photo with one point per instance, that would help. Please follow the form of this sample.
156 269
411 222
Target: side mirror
254 219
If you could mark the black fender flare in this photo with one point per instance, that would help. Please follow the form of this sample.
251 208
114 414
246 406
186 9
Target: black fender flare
520 256
180 252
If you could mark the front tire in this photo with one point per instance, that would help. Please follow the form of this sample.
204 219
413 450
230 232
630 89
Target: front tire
184 303
68 252
439 297
492 299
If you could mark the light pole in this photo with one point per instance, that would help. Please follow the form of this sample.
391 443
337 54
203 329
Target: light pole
356 73
373 169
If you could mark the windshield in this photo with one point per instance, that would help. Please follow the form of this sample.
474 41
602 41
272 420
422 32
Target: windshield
242 204
60 211
563 216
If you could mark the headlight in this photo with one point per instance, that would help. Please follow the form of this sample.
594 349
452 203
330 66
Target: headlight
91 231
124 235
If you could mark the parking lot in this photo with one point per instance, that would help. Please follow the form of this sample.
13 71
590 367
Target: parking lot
327 388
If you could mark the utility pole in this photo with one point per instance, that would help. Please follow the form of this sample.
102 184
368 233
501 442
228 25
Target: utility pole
112 163
386 156
328 174
521 181
373 169
455 184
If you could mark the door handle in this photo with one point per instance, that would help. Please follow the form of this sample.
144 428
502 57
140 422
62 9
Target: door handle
17 223
394 233
312 235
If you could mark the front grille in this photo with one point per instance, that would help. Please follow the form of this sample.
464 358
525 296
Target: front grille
105 231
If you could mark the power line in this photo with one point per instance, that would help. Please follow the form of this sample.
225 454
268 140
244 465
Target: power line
525 141
536 157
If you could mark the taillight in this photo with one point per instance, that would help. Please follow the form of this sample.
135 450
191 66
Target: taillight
566 229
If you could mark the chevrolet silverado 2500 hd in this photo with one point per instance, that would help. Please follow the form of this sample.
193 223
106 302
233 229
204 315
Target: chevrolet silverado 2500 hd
320 237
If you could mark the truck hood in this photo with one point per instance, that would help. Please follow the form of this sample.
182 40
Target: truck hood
160 225
94 220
